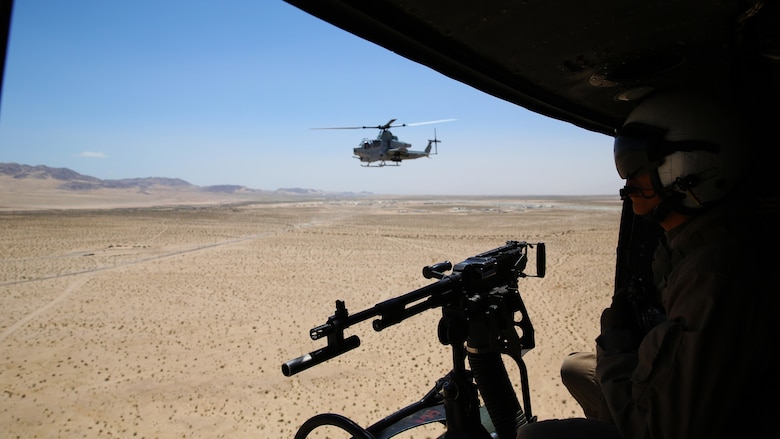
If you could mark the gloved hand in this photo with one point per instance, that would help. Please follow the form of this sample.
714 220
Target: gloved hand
620 327
620 314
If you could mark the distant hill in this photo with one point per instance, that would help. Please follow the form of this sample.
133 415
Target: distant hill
24 187
73 181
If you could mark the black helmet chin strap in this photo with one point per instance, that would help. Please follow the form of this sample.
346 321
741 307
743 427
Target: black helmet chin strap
671 200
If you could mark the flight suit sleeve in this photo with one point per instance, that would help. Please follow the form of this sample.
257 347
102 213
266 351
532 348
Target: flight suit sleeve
670 386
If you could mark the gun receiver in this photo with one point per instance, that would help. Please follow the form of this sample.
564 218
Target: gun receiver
469 287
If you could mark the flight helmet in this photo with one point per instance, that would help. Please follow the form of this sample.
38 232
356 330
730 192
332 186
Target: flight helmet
693 148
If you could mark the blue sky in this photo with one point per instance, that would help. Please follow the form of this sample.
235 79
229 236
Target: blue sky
227 93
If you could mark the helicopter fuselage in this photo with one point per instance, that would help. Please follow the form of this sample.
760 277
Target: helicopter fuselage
385 147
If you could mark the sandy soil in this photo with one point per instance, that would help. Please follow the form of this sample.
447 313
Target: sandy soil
174 321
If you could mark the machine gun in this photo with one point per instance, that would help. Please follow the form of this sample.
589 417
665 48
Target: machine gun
634 278
479 299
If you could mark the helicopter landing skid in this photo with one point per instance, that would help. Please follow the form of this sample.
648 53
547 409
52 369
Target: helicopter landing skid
380 165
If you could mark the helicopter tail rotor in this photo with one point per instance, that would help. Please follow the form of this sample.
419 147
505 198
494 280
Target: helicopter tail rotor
433 143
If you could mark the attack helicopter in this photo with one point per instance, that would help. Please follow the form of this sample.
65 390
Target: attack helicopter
386 149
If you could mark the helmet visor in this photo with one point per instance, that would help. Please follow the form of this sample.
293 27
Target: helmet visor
631 156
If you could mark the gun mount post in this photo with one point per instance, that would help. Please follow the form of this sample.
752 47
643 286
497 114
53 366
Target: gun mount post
461 401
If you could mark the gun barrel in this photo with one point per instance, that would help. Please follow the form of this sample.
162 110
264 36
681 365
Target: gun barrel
475 276
316 357
393 311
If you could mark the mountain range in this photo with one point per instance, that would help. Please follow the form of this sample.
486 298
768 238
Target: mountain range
73 181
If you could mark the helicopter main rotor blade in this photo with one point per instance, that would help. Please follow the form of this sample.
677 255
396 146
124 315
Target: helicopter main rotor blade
378 127
389 124
339 128
428 123
385 126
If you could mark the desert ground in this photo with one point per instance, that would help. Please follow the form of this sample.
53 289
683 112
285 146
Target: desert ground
173 321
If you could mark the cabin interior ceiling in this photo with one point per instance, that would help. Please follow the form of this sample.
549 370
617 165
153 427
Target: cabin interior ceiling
582 62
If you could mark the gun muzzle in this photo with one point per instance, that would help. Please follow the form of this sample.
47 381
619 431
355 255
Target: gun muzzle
316 357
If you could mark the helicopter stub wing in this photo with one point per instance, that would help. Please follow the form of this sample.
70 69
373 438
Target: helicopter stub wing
398 154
